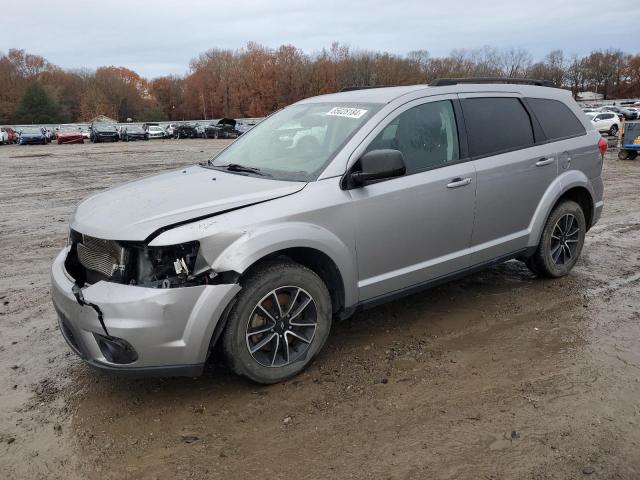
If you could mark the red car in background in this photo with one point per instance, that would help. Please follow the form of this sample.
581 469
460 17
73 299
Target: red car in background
12 135
69 134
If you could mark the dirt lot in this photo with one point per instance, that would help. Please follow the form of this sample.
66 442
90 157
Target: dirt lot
499 375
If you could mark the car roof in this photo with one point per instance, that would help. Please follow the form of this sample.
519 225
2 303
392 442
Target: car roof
389 94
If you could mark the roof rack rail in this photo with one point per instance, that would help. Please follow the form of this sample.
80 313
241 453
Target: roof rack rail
363 87
441 82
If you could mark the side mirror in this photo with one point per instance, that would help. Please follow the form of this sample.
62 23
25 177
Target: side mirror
377 165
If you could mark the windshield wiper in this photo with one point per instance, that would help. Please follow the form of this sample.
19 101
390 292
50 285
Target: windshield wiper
235 167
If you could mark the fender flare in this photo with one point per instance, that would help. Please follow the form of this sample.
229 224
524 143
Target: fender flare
257 244
562 184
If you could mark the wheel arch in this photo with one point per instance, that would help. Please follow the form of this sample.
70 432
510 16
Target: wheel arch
317 261
311 246
572 185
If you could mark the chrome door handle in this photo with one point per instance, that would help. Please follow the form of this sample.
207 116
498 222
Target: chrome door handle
544 161
459 182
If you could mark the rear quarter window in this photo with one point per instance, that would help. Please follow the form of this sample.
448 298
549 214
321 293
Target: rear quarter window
557 120
496 124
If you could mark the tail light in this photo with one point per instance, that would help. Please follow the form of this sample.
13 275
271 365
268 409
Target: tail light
602 146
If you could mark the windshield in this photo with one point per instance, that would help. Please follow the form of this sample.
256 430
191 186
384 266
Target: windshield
296 143
134 128
68 129
104 126
31 130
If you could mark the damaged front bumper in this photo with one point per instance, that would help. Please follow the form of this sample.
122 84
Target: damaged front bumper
168 330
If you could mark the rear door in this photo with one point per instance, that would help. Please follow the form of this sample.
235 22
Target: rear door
514 168
415 228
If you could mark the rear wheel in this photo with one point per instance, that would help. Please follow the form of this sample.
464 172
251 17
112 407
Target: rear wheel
561 242
279 323
623 154
613 131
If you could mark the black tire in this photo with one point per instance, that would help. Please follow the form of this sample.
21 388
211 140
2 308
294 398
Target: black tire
613 131
623 154
633 155
280 281
561 241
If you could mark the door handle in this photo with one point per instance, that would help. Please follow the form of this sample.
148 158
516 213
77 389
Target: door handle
459 182
544 161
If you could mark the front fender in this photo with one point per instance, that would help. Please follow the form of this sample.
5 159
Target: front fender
253 245
563 183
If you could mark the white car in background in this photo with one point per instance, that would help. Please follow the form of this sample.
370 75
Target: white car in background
4 137
170 129
156 132
605 122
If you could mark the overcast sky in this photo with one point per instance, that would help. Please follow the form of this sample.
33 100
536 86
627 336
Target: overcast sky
158 37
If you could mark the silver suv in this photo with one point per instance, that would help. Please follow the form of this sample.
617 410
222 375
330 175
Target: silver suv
333 204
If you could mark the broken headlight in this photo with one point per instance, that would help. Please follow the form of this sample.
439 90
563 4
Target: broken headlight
166 267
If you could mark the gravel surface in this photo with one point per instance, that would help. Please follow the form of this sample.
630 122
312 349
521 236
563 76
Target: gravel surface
499 375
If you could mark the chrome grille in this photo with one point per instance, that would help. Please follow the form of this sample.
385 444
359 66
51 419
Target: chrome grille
102 256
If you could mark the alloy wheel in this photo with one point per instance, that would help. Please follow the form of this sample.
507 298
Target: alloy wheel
281 326
564 239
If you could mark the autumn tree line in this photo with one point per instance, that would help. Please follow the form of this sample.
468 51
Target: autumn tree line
256 80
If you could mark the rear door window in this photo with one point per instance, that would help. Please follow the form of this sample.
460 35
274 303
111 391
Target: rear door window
557 120
496 125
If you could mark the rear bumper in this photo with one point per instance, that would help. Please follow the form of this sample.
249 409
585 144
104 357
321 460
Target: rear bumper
169 329
64 140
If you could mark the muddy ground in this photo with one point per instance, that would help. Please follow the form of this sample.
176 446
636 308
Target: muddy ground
500 375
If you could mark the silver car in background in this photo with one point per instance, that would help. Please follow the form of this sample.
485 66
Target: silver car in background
333 204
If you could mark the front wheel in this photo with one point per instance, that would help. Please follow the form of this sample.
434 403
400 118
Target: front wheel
613 131
561 242
279 323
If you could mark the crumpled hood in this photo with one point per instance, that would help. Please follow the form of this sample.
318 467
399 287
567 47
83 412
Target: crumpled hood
135 210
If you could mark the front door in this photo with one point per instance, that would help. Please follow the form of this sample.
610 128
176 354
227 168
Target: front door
415 228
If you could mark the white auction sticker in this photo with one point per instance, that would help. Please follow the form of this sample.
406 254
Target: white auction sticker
346 112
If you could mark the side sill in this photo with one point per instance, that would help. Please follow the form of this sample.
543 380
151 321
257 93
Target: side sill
396 294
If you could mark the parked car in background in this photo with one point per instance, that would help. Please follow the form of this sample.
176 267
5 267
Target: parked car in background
12 135
4 137
605 122
133 132
629 113
32 135
398 194
244 127
170 129
614 109
225 128
86 134
185 130
636 111
155 131
103 132
69 134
